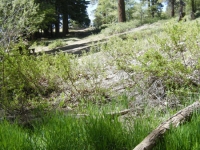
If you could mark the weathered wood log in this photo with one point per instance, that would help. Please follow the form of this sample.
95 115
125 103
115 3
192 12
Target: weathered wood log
149 142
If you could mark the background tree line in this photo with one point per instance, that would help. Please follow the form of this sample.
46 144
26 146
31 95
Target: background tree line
59 14
108 12
53 15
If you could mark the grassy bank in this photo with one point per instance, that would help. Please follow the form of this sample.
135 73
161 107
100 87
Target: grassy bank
95 132
185 137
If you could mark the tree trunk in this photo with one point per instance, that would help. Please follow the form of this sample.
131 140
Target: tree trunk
149 4
181 13
121 11
152 9
46 32
65 24
185 114
193 6
149 7
57 23
65 20
57 27
172 8
51 30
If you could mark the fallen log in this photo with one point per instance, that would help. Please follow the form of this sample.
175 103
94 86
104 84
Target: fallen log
149 142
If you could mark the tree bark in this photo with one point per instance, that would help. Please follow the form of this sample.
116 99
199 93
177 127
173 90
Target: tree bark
182 14
193 6
185 114
172 8
46 32
149 7
65 24
51 30
57 23
121 11
152 9
57 28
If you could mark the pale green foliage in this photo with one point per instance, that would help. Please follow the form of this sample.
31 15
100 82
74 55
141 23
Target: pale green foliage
17 17
18 74
106 12
56 43
27 77
120 27
170 56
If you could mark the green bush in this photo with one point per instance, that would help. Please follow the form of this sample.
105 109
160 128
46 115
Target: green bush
169 54
56 43
28 77
120 27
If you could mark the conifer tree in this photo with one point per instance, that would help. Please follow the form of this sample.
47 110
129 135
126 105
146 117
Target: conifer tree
121 11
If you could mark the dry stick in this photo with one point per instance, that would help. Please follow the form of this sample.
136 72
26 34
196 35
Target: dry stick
149 142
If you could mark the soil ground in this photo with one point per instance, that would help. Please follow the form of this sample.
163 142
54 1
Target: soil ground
82 39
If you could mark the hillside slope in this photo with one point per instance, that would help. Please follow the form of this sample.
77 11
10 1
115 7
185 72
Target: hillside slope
153 65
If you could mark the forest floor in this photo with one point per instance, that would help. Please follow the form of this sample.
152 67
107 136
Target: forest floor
115 79
82 39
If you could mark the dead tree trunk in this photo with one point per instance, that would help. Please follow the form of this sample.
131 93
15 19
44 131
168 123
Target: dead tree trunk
149 142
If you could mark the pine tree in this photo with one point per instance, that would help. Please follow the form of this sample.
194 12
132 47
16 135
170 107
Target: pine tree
121 11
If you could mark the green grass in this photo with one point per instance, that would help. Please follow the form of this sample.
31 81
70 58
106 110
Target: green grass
60 132
56 43
185 137
96 132
13 137
120 27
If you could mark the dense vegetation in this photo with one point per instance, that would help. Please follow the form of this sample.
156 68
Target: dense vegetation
67 132
62 101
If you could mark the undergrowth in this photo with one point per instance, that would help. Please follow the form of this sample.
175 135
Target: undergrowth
120 27
159 65
56 43
170 57
95 132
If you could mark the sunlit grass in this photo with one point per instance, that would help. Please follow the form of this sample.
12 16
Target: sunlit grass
95 132
185 137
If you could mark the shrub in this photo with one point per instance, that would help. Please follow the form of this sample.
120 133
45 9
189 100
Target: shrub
56 43
120 27
26 78
170 56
